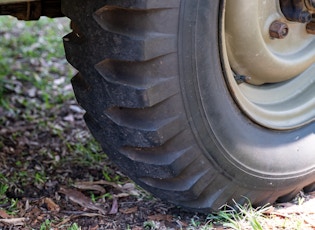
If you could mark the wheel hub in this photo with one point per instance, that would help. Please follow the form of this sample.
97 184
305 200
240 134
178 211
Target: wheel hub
271 79
253 53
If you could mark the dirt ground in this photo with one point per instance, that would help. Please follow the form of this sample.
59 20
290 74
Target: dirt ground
62 194
53 174
49 175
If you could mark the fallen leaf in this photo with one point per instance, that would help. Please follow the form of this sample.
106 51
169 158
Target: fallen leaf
161 217
114 208
128 188
279 214
89 186
285 205
104 182
94 228
76 109
79 198
51 205
184 224
129 210
14 221
65 220
4 215
27 205
69 118
309 221
91 214
137 228
121 195
269 210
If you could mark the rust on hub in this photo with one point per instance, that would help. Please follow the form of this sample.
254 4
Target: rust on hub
278 30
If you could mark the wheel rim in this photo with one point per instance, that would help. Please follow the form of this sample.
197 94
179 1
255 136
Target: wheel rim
278 88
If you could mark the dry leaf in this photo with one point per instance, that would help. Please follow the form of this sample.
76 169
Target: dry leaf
89 186
4 215
114 208
79 198
14 221
65 220
161 217
184 224
90 214
51 205
129 210
137 228
101 182
128 188
94 228
269 210
309 221
121 195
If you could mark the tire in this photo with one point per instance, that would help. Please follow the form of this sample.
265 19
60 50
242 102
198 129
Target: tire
153 84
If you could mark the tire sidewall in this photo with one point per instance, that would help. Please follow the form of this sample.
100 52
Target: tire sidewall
246 152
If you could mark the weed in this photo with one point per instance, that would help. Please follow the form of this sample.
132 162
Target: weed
46 225
106 174
11 206
101 197
150 225
40 178
3 190
88 153
241 216
195 222
229 218
74 226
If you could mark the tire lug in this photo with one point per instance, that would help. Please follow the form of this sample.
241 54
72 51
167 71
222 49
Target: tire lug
278 30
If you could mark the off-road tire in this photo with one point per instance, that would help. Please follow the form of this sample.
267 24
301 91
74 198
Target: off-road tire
152 84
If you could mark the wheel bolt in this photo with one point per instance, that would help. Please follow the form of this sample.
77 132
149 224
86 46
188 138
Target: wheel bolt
310 27
305 16
278 30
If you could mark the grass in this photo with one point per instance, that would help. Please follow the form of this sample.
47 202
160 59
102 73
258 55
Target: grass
243 217
247 217
26 49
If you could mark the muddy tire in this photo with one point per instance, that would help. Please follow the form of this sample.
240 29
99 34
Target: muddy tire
153 83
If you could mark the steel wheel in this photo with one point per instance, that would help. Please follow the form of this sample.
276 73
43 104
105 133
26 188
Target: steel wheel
278 88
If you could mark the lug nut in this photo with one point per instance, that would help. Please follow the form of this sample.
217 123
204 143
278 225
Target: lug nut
278 30
310 27
305 16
